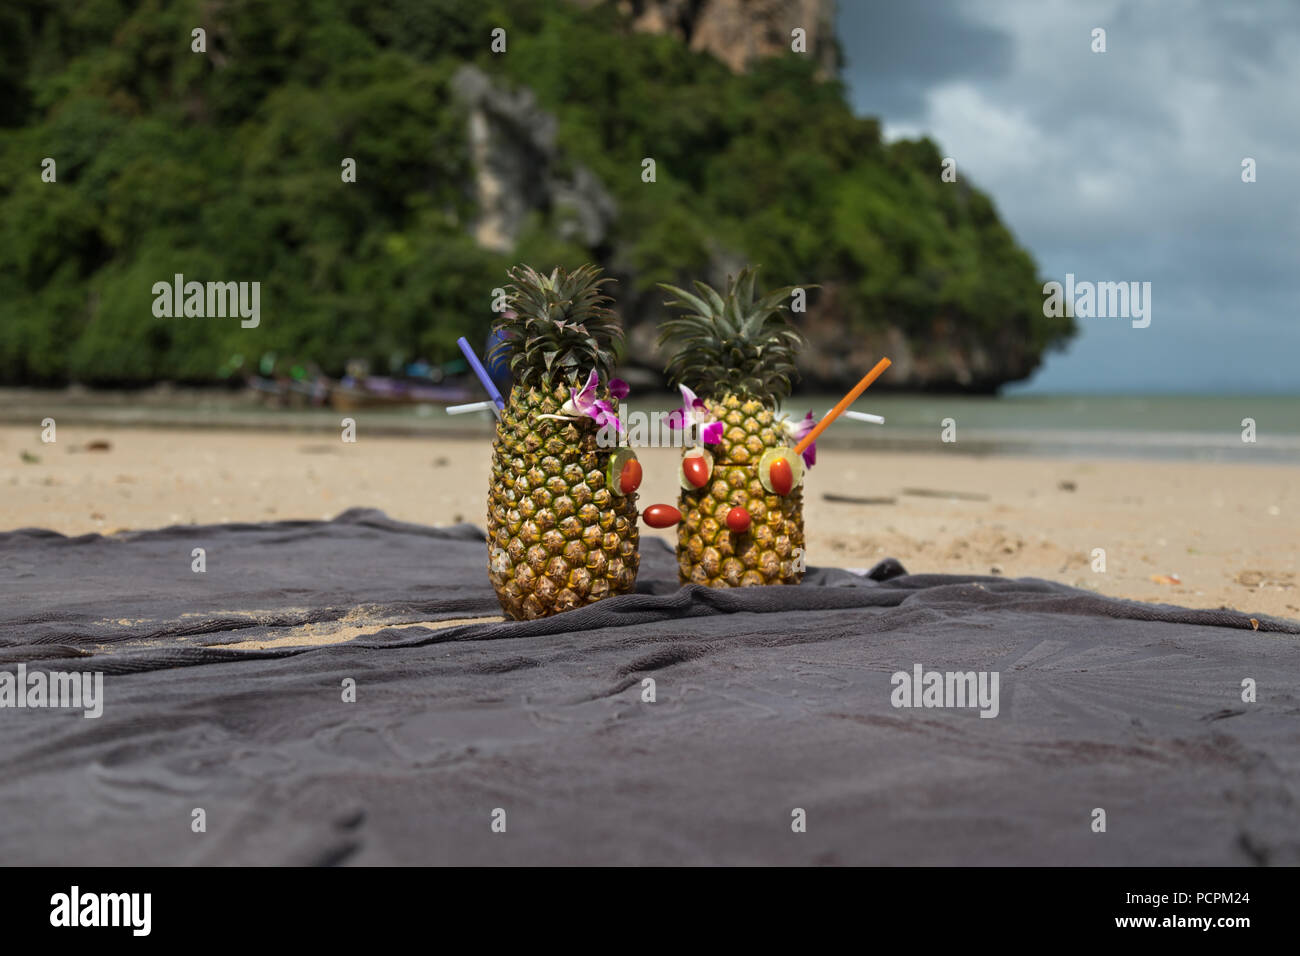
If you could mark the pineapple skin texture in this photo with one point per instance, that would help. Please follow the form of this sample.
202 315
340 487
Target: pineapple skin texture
710 554
558 538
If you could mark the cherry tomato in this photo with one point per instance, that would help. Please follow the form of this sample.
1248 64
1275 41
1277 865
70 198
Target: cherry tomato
630 480
738 520
782 476
661 516
696 469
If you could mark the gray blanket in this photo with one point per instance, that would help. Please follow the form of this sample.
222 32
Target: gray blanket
772 735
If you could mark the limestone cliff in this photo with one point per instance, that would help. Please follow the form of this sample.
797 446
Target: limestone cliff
740 31
516 170
520 171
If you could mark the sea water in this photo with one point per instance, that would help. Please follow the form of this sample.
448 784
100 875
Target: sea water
1245 428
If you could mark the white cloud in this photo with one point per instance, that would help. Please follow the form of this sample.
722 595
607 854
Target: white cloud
1127 164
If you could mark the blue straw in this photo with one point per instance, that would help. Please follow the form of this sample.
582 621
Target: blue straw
477 367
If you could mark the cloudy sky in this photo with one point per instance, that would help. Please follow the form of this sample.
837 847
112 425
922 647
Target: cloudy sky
1123 165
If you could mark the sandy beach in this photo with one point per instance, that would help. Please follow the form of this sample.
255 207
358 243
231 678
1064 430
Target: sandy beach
1190 533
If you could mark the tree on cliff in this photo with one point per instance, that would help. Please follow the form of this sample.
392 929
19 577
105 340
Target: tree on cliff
225 165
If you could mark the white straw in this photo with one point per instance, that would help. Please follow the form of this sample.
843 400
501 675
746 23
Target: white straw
472 407
864 417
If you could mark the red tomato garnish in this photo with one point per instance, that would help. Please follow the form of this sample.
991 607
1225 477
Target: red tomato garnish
661 516
782 476
630 480
696 470
738 520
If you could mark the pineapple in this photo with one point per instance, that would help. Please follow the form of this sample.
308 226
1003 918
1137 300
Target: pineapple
561 507
737 353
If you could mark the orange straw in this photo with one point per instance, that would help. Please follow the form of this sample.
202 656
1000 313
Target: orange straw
844 403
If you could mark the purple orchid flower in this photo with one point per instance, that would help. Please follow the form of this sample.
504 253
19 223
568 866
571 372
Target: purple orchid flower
797 430
695 413
584 402
605 415
619 388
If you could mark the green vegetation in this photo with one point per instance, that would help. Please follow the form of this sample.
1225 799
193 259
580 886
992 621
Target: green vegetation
226 166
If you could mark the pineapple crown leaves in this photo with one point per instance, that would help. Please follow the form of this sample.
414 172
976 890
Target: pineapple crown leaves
732 343
561 326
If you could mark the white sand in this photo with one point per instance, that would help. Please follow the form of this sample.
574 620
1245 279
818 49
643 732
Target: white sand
1227 532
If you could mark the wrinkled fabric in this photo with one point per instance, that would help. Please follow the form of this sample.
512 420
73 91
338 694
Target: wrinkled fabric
771 708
